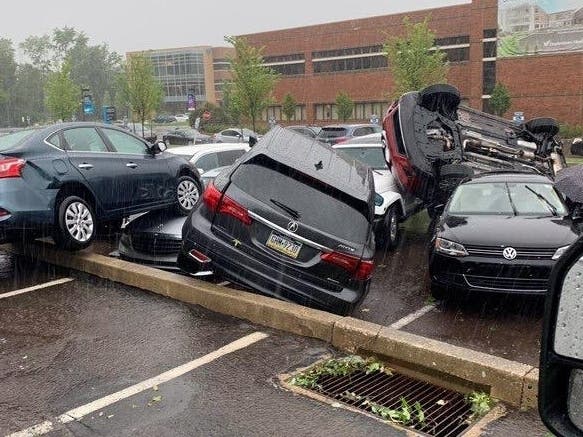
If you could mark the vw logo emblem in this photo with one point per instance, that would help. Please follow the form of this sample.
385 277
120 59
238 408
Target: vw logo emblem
292 226
509 253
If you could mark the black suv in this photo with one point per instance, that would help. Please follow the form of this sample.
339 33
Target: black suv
291 219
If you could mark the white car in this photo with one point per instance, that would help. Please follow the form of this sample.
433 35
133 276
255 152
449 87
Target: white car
205 157
234 135
391 204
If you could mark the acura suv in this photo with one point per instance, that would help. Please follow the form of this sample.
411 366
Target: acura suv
291 219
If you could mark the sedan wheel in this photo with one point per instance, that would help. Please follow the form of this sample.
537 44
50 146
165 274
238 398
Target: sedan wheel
187 194
76 224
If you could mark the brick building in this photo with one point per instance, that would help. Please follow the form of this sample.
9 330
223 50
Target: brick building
317 62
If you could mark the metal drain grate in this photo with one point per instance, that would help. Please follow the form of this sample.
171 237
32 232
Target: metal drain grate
447 414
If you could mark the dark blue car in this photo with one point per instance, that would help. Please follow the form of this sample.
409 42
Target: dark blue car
64 180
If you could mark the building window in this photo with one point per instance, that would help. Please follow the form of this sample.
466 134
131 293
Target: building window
325 111
490 49
457 55
348 52
365 110
283 58
486 106
490 33
289 69
489 77
350 64
452 40
300 112
272 112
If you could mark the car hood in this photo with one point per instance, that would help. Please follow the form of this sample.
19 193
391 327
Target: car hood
519 231
157 222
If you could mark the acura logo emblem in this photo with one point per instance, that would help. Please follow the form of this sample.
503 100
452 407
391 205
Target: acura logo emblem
509 253
292 226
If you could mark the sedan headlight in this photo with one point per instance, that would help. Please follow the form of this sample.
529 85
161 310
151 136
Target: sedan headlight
378 199
450 248
560 251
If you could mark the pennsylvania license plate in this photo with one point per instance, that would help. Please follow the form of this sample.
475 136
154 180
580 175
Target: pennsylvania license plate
283 245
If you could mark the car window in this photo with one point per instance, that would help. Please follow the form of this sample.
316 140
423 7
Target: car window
360 131
55 140
371 156
84 139
208 161
228 157
231 133
316 207
332 132
124 143
11 140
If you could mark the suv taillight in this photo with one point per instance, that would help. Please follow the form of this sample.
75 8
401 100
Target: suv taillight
212 199
360 269
11 167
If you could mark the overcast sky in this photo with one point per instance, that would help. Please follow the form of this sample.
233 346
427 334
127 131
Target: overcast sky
151 24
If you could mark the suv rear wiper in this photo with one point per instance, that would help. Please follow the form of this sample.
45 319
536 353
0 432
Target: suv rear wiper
544 200
286 208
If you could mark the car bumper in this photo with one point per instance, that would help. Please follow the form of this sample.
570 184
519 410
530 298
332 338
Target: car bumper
165 261
481 274
267 279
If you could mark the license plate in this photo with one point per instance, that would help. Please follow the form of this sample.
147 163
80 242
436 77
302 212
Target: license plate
283 245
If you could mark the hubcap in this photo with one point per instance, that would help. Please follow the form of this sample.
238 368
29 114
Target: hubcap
79 221
187 194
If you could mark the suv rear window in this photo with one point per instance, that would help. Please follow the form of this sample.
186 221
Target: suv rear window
319 206
332 132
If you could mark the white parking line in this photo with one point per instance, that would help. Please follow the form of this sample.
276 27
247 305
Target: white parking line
412 317
80 412
36 287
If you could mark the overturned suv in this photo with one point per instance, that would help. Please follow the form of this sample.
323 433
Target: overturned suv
291 219
433 143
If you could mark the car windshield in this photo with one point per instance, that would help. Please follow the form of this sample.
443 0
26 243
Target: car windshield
507 198
371 156
332 132
9 141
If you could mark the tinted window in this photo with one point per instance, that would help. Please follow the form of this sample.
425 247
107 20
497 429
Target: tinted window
229 156
316 206
231 133
124 143
506 198
84 139
363 131
207 162
371 156
55 140
11 140
332 132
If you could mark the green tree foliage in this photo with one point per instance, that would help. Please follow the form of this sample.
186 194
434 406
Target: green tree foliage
413 63
289 107
344 106
252 82
139 88
500 99
7 79
62 94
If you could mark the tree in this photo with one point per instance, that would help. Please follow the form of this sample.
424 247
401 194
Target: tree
7 79
252 82
139 88
500 99
62 94
289 107
344 106
413 61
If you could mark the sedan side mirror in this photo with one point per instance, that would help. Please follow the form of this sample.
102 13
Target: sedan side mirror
561 367
158 147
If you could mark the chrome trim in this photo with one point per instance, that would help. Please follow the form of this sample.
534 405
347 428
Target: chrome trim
528 290
284 231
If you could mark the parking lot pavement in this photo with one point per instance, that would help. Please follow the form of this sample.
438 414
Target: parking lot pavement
502 325
88 349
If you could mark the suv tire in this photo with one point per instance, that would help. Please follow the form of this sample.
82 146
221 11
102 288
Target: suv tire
441 98
388 234
76 226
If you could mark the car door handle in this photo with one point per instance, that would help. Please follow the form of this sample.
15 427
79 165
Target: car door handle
86 166
131 165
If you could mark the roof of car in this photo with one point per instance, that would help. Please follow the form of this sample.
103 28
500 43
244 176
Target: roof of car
198 148
508 176
316 160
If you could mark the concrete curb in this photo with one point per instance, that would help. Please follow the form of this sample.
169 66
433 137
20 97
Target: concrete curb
509 381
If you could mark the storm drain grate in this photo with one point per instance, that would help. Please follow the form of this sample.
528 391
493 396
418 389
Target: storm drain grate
444 413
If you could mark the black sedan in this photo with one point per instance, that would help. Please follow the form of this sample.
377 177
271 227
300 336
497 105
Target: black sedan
183 137
502 233
66 180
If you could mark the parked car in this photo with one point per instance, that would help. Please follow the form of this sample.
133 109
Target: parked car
337 133
234 135
308 131
163 118
502 233
208 156
66 180
375 138
154 239
183 137
435 143
392 205
283 238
